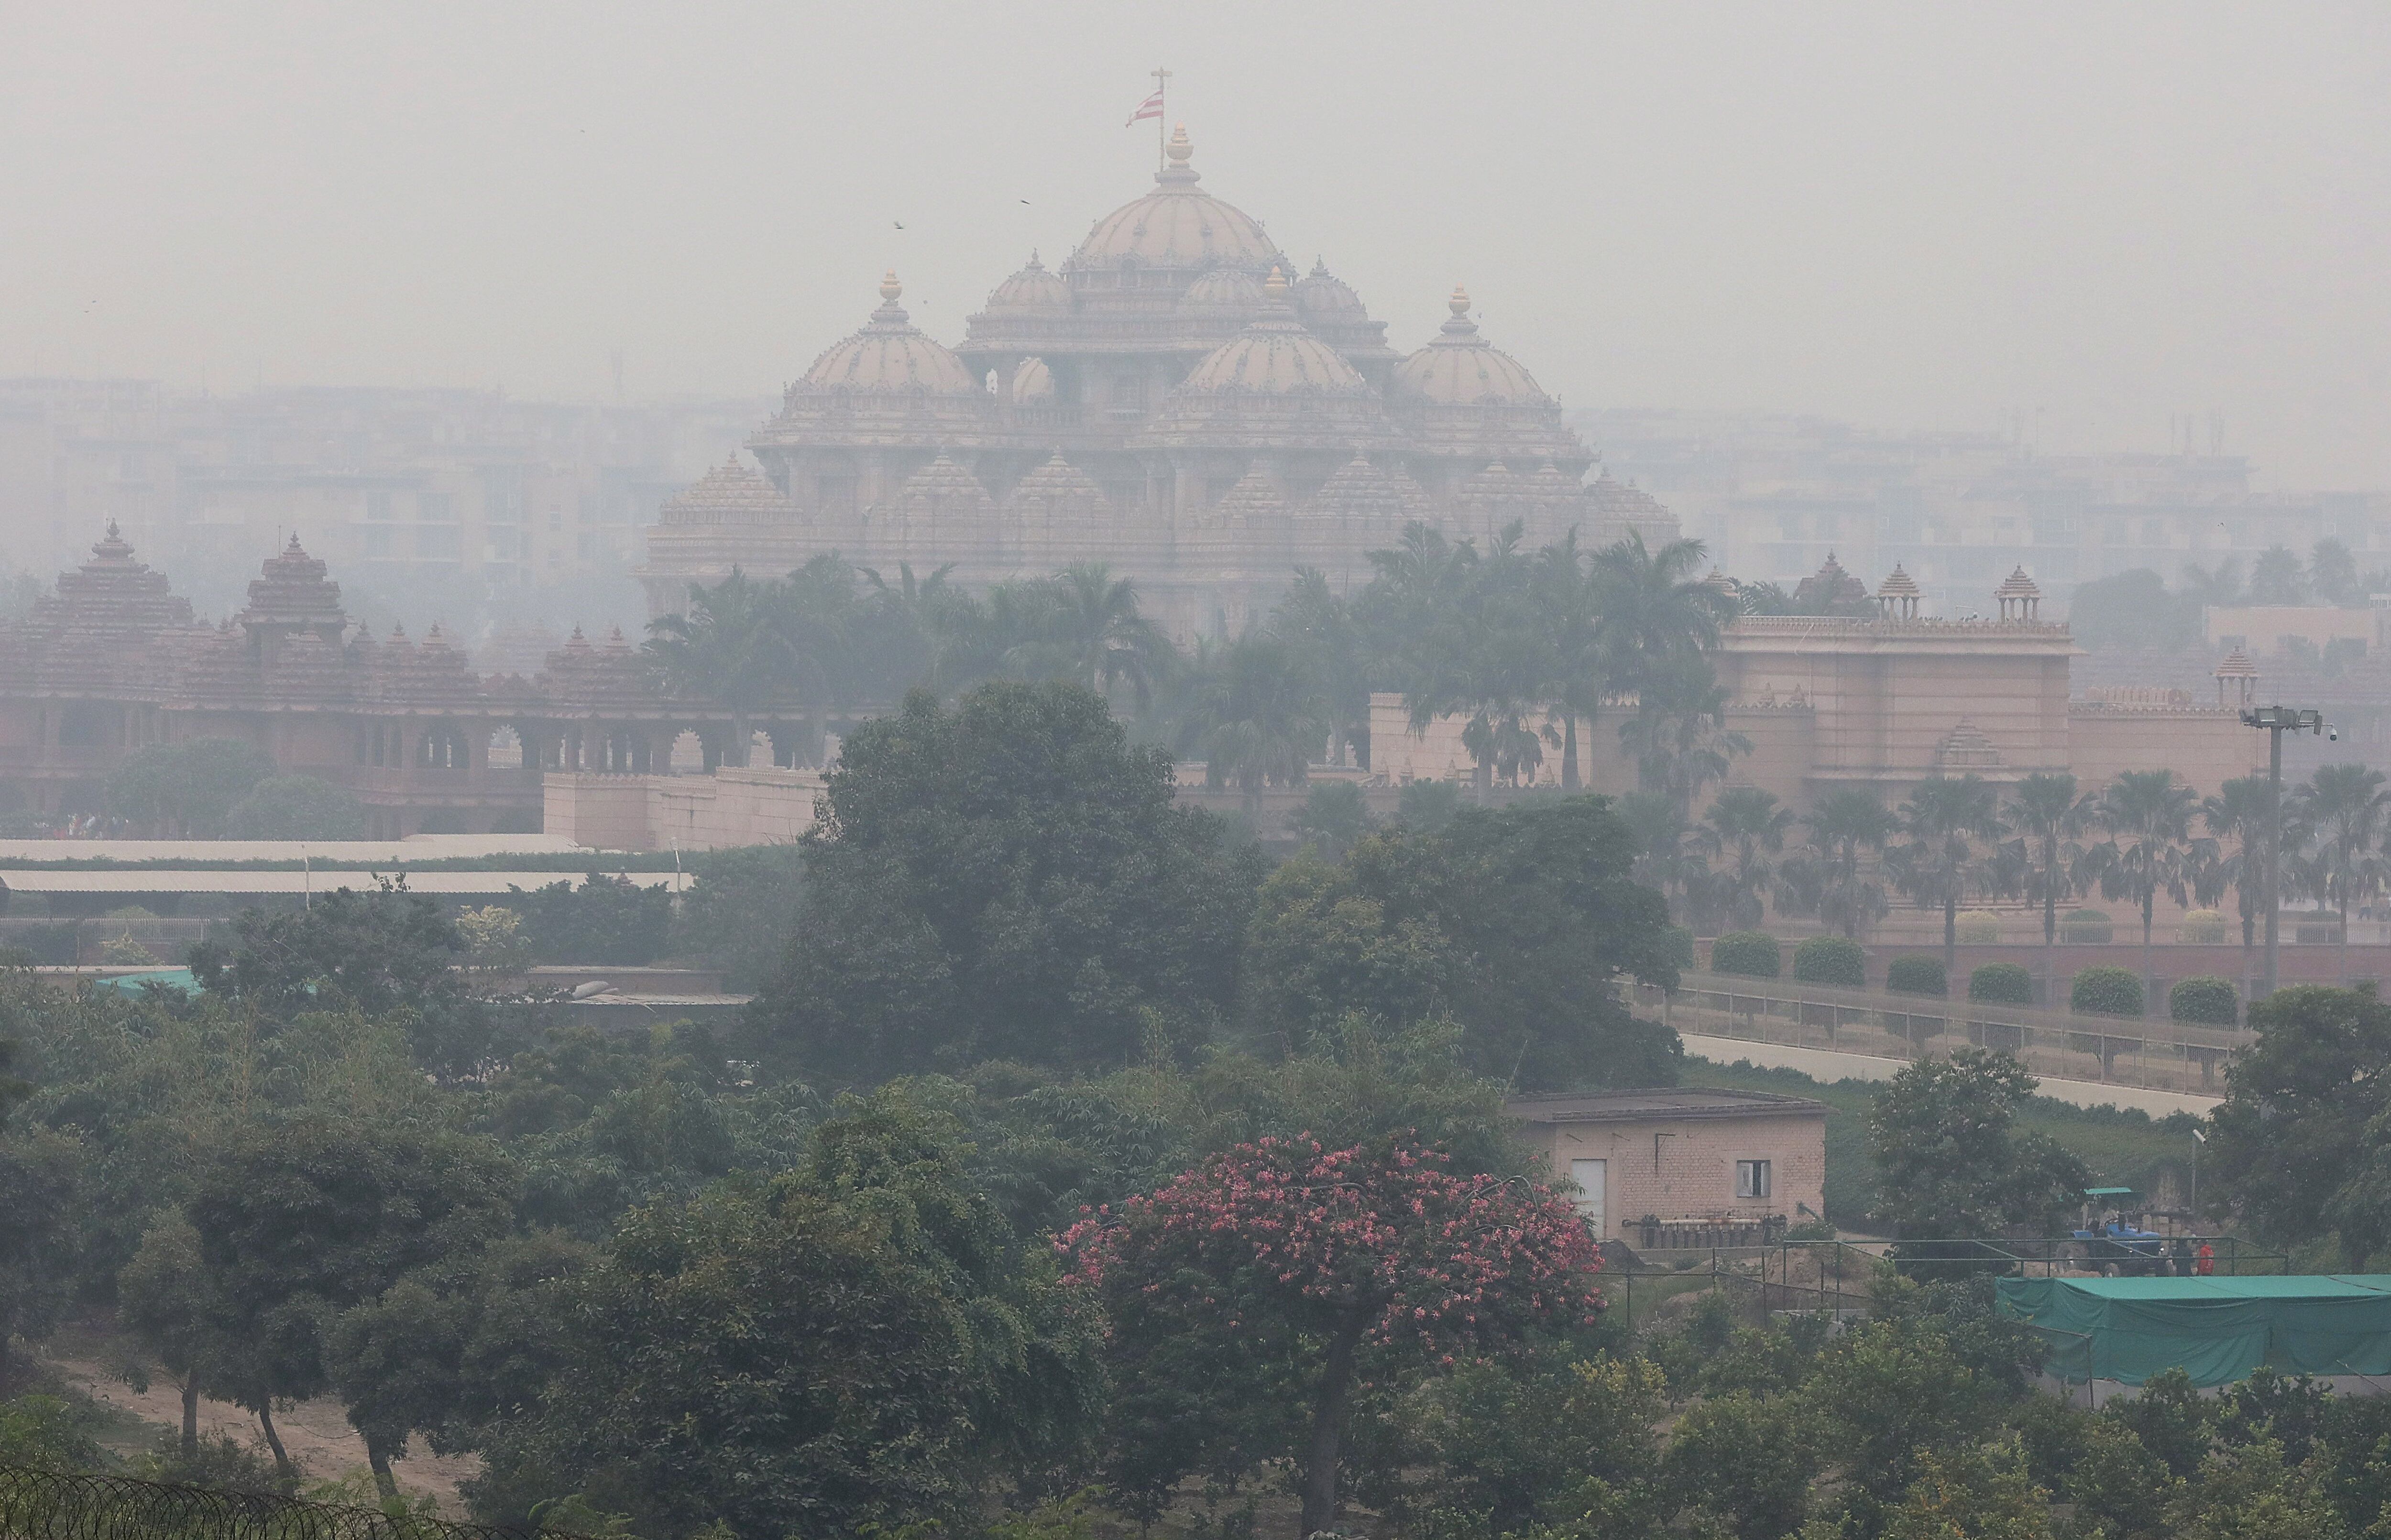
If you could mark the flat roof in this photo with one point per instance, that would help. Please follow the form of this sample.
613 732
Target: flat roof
1667 1101
413 847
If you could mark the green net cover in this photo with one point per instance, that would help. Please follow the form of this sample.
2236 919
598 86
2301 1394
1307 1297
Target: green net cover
2216 1330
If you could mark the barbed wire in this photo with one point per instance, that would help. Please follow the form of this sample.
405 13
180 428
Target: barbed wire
53 1504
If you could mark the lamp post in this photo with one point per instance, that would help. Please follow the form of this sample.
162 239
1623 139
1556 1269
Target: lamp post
2274 721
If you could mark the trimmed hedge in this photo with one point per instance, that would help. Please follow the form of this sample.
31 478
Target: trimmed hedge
2206 999
1916 975
2081 926
2002 984
1832 959
2205 928
1752 953
2106 992
1977 927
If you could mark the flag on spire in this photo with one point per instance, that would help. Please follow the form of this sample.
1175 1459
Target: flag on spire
1150 107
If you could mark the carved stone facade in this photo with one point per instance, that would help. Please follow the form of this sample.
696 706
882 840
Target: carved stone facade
114 662
1173 400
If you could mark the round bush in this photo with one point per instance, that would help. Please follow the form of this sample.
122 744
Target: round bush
1916 975
2086 927
2206 999
2002 984
1750 952
1978 927
2106 992
1832 959
2204 927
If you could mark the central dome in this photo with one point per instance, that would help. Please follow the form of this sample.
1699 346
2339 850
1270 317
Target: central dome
1178 226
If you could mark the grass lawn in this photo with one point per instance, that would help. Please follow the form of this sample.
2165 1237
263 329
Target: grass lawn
2123 1148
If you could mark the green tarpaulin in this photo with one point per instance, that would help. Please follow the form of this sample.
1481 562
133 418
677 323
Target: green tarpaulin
2216 1330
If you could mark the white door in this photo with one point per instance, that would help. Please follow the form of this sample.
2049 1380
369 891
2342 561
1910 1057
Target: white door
1592 1178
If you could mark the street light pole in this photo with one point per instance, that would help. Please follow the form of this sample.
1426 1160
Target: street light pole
2274 721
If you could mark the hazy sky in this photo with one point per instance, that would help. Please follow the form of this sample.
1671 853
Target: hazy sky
1910 215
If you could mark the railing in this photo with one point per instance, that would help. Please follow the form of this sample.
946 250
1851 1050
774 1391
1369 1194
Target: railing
48 1505
2159 1056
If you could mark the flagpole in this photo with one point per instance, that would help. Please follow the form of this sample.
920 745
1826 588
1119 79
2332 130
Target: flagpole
1162 123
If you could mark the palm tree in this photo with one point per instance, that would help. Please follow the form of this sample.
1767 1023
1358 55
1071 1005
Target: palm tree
1257 720
2147 815
1950 851
2241 817
730 647
1653 608
1847 823
2046 815
1678 735
2343 807
1100 634
2277 578
1746 829
1323 630
911 631
1567 589
1666 856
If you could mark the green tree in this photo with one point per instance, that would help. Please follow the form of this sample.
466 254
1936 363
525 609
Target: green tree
2239 821
1099 635
1334 818
2295 1148
1257 720
1328 641
1950 851
162 1293
1747 1459
2276 578
1743 831
188 788
1831 877
1952 1162
731 648
1516 923
860 1340
740 911
2147 815
301 1221
1567 589
2048 819
2333 574
2343 810
296 806
1007 879
42 1215
2133 611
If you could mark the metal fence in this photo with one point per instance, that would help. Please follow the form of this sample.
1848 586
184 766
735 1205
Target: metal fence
2160 1056
49 1505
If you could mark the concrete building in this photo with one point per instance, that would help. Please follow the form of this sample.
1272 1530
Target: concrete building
1179 399
1684 1166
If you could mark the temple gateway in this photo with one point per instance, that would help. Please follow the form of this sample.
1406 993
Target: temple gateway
1177 399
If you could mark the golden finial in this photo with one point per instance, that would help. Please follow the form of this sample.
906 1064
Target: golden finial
1274 287
1179 149
889 287
1460 301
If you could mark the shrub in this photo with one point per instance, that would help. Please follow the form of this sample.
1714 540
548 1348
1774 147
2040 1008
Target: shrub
1916 975
1681 946
1750 952
2203 928
2002 983
1979 927
2207 999
2086 927
2106 992
1830 960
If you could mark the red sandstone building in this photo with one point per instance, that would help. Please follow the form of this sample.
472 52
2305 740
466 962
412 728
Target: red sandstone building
115 661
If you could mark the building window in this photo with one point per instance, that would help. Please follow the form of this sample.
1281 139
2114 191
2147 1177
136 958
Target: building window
1752 1179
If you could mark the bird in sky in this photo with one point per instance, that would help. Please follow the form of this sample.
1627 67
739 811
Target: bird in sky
901 224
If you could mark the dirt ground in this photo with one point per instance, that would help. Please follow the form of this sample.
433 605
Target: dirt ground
316 1432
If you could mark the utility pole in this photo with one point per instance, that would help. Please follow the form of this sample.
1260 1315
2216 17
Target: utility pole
2274 721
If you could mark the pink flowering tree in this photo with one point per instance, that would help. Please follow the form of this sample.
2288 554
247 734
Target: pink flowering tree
1271 1267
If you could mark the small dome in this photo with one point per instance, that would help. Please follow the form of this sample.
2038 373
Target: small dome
1223 288
1176 225
1458 368
889 355
1033 289
2017 585
1274 356
1323 300
1033 383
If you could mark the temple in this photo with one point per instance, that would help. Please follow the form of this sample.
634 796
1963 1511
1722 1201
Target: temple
1173 399
114 661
